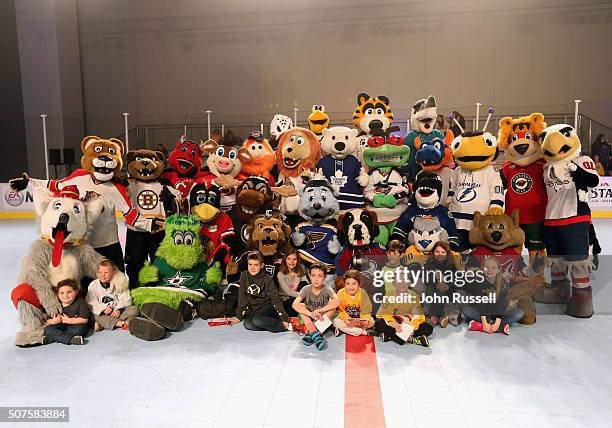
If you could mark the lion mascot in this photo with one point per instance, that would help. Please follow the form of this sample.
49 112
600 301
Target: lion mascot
297 154
60 253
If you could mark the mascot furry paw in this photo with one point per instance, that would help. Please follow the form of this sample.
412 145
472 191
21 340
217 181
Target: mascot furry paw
178 276
59 254
500 236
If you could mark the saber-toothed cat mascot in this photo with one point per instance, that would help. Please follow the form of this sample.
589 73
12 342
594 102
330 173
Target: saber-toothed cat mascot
60 253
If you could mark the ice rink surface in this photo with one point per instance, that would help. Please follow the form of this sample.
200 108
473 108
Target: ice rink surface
557 373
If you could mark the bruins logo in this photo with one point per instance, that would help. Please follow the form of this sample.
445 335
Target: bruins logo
147 199
521 183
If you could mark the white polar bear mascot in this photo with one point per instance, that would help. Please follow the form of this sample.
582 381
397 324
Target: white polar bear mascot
60 254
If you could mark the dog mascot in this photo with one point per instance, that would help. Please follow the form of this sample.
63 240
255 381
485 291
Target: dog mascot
318 120
315 238
387 192
568 176
178 276
428 146
185 163
152 199
501 236
523 177
60 253
426 198
357 229
101 165
224 165
296 157
475 185
341 167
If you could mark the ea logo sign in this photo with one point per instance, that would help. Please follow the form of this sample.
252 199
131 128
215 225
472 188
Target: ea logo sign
13 198
466 195
521 183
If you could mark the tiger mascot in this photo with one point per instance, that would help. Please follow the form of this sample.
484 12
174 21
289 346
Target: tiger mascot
373 116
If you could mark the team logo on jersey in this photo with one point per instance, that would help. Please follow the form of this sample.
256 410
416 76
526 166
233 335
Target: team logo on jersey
314 237
147 199
521 183
466 195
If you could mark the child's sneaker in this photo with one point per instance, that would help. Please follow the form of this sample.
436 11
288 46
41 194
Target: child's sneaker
308 339
385 337
77 340
320 342
419 340
474 326
444 321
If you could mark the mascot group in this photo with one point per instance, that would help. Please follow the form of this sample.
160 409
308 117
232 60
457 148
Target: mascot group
342 197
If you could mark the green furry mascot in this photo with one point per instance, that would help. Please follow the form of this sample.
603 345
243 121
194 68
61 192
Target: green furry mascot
177 277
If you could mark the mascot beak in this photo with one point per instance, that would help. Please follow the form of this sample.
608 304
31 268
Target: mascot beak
205 212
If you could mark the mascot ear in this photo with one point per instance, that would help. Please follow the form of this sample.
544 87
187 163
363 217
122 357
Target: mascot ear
160 155
476 221
249 232
353 132
208 146
94 208
87 141
131 155
362 98
42 196
376 229
505 122
119 143
384 99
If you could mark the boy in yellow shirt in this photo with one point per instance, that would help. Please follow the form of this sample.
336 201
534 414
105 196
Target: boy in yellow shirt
355 310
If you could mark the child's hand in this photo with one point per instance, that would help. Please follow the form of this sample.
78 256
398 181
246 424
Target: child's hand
115 313
65 319
55 320
316 314
233 320
397 326
108 310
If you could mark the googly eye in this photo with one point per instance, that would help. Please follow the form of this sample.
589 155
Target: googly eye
300 140
502 226
188 240
369 111
380 111
489 143
112 151
193 152
98 149
292 139
201 198
323 197
490 226
138 158
233 154
260 147
515 137
178 238
220 151
212 199
57 205
528 135
184 149
76 209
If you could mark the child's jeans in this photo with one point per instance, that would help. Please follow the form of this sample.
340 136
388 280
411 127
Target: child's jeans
64 332
471 313
265 319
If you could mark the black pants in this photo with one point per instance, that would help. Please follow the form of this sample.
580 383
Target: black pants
140 247
381 326
265 319
64 332
114 253
288 305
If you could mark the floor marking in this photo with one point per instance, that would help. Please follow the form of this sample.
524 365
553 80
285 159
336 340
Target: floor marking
363 404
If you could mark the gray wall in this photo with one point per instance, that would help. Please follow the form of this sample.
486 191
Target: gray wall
166 61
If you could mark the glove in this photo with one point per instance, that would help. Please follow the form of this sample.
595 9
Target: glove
19 184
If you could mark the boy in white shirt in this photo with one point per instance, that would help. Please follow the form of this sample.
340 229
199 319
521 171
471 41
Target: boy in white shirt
110 303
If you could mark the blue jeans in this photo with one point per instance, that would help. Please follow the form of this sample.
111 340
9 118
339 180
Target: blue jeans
508 317
64 332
